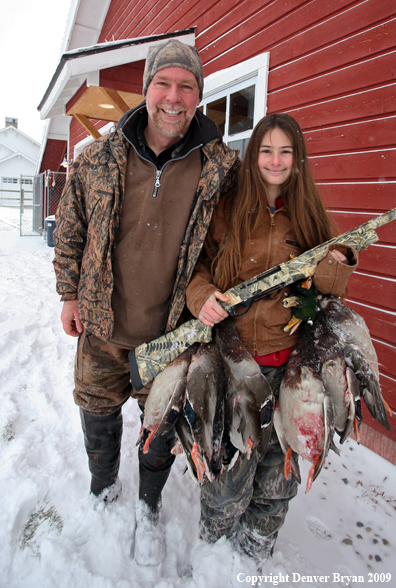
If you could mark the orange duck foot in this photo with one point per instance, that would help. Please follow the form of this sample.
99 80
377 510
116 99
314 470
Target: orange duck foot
311 474
199 463
287 466
149 439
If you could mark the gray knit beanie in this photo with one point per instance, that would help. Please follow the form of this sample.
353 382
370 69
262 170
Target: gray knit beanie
172 53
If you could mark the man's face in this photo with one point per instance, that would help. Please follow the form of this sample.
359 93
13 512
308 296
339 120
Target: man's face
171 99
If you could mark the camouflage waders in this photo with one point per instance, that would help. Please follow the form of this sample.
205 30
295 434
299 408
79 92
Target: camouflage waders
249 503
102 386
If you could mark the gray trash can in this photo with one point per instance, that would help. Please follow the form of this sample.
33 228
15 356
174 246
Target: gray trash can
50 226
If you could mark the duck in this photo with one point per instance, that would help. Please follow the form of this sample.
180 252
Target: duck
204 410
302 300
304 418
338 378
249 400
358 349
165 400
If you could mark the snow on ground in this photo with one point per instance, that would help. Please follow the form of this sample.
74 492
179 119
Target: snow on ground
51 536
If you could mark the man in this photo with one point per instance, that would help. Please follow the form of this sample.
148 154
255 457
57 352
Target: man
129 229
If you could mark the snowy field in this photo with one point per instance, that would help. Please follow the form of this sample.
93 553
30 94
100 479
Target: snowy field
51 536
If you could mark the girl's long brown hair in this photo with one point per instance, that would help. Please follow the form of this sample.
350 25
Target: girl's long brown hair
305 208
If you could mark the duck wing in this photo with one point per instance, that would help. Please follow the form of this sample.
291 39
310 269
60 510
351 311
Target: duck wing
337 378
349 327
370 389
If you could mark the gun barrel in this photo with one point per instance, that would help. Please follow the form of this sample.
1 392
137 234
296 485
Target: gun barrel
383 219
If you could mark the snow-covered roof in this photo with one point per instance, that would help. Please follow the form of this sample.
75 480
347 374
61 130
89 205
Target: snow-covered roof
83 27
84 23
84 64
6 130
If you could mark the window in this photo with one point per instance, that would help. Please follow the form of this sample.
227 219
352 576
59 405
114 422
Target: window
235 99
10 180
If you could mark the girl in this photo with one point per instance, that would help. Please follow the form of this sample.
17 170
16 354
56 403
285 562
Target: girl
275 213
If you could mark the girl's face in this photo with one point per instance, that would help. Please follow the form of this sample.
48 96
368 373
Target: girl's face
275 159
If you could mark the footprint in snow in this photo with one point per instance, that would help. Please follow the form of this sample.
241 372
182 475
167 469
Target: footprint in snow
319 529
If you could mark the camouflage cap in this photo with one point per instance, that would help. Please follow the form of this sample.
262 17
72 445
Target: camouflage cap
172 53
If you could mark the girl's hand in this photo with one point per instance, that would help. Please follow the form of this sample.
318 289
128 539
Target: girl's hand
211 312
339 256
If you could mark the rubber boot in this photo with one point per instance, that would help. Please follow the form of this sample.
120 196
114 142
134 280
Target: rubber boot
154 469
149 547
102 438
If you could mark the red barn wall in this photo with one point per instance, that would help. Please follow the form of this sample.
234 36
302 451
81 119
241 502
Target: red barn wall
332 67
53 156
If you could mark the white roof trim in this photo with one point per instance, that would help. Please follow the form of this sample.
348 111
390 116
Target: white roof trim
18 155
75 66
14 130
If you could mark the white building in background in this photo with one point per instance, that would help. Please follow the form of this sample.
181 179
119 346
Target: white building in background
18 156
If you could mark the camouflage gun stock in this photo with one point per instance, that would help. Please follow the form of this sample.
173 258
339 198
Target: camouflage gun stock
147 360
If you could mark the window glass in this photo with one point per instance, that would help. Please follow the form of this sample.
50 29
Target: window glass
240 144
241 110
216 111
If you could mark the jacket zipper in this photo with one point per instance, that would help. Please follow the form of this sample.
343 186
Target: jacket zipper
157 182
158 172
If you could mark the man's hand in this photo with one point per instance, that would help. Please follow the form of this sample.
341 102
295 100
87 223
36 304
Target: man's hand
211 312
70 318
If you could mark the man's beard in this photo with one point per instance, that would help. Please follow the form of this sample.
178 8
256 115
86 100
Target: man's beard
167 128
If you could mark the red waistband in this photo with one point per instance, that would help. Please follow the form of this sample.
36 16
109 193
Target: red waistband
274 359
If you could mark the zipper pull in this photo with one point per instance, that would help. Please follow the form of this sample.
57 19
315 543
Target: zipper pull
272 219
157 183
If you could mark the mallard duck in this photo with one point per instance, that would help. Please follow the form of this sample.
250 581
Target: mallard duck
303 302
339 380
354 337
304 416
249 400
165 399
204 409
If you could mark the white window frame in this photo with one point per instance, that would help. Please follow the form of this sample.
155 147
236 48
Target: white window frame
223 83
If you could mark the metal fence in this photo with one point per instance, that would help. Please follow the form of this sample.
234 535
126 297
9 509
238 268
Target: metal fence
55 182
39 199
28 207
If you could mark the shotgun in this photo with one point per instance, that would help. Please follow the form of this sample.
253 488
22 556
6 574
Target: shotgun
148 359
